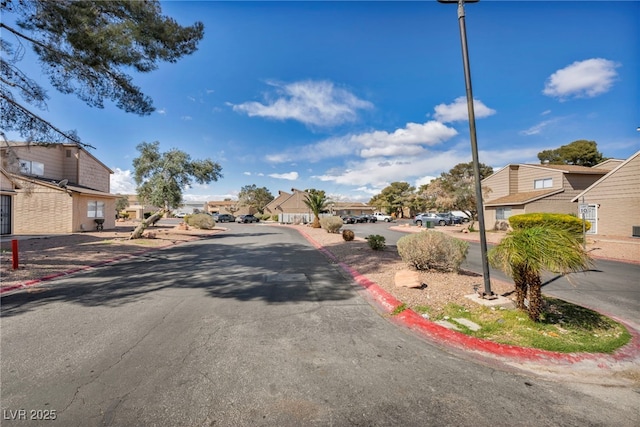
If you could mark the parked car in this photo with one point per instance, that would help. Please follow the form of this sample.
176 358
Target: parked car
453 219
224 218
180 214
246 219
383 217
372 218
423 218
362 218
348 219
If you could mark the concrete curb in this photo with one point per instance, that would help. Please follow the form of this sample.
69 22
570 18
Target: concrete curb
625 357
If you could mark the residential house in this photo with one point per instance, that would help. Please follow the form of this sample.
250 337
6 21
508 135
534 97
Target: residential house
613 202
524 188
7 197
189 208
291 207
232 207
136 209
59 188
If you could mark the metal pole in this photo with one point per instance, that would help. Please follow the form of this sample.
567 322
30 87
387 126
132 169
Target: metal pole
474 152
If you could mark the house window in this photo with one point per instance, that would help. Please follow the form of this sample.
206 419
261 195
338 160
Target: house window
503 213
28 167
95 209
539 184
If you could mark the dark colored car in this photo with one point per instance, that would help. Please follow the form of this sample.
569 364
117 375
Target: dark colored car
372 218
348 219
361 218
224 218
247 219
453 219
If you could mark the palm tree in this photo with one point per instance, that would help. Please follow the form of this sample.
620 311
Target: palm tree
525 253
316 201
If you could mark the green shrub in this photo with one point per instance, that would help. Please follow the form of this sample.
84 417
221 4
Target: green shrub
566 222
201 221
348 235
376 242
265 217
332 224
432 250
275 217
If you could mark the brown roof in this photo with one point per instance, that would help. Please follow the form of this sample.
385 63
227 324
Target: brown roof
523 198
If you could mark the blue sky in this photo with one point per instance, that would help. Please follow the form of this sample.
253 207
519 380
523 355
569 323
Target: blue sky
348 97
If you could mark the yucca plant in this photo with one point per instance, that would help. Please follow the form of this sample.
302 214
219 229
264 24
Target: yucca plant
524 253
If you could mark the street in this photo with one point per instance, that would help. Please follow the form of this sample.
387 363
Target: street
254 327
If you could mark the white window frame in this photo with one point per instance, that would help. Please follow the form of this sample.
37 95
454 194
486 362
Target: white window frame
539 184
95 209
29 167
503 214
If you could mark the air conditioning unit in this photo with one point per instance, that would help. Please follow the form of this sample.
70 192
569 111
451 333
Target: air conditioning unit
635 232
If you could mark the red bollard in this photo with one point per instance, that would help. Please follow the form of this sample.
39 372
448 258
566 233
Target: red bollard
14 249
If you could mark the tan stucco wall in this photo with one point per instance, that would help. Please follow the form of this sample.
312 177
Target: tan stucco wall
81 222
44 211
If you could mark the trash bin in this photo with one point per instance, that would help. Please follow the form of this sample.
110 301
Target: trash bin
429 224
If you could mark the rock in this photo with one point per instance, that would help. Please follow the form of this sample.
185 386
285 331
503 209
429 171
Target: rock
149 235
408 279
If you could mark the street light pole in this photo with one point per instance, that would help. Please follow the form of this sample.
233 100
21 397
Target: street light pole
488 293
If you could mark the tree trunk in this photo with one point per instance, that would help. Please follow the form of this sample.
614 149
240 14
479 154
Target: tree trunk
137 233
521 289
535 298
316 222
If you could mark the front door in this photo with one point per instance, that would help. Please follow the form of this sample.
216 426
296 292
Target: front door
5 215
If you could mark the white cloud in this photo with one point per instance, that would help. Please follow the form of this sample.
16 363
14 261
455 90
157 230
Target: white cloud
458 111
186 118
246 173
582 79
378 173
424 180
162 111
316 103
122 182
536 129
291 176
407 141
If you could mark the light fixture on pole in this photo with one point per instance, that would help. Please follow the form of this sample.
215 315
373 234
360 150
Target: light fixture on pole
488 293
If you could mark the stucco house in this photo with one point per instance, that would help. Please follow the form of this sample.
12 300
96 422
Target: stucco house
526 188
232 207
613 202
290 207
7 201
59 188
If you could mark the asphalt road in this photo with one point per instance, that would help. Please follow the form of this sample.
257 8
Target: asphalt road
611 287
253 328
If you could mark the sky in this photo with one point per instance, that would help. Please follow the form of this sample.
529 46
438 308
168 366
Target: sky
347 97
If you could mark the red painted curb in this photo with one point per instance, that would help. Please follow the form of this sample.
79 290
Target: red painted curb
431 330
